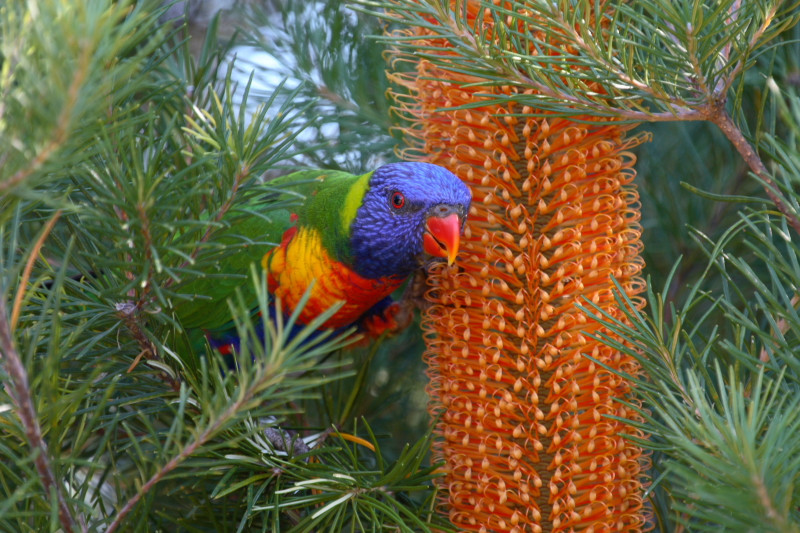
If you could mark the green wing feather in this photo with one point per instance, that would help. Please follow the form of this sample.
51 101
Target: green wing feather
324 199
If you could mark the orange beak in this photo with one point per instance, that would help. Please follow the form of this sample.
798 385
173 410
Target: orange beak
442 236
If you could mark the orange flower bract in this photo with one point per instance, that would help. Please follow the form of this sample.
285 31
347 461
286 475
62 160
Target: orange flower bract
528 423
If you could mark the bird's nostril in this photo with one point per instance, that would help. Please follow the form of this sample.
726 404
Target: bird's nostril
444 210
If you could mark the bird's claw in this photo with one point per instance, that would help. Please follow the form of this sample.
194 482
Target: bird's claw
390 321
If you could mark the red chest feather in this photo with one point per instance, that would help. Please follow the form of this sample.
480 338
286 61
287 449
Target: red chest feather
300 260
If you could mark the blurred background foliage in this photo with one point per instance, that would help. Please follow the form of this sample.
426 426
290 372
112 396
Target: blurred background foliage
127 142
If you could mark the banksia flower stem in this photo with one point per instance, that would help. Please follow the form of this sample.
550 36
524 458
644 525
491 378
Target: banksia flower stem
529 424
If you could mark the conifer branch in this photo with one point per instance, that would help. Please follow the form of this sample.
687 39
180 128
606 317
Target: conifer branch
18 389
239 178
186 452
270 372
62 128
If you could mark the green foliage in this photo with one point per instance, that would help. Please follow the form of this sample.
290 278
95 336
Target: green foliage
130 170
636 61
721 387
329 57
63 68
719 342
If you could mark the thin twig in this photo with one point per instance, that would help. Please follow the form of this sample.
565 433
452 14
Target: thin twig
767 504
26 273
724 83
737 69
62 128
19 390
147 244
239 178
782 327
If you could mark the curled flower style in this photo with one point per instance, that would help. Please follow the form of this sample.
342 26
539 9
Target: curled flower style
530 418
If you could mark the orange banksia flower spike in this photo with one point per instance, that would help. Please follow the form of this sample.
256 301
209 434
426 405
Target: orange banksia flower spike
527 423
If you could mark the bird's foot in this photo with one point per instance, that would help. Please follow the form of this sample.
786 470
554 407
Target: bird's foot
390 320
414 294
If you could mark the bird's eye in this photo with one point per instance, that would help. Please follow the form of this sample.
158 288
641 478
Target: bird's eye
398 200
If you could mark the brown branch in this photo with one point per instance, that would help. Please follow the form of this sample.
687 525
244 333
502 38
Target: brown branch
128 312
722 119
171 465
148 253
19 390
186 452
765 499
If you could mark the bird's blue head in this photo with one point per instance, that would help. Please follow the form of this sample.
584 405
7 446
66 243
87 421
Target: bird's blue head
408 209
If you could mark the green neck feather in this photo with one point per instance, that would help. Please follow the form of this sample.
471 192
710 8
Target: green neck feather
332 209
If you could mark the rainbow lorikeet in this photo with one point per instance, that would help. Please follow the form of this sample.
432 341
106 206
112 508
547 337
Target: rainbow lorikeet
358 238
